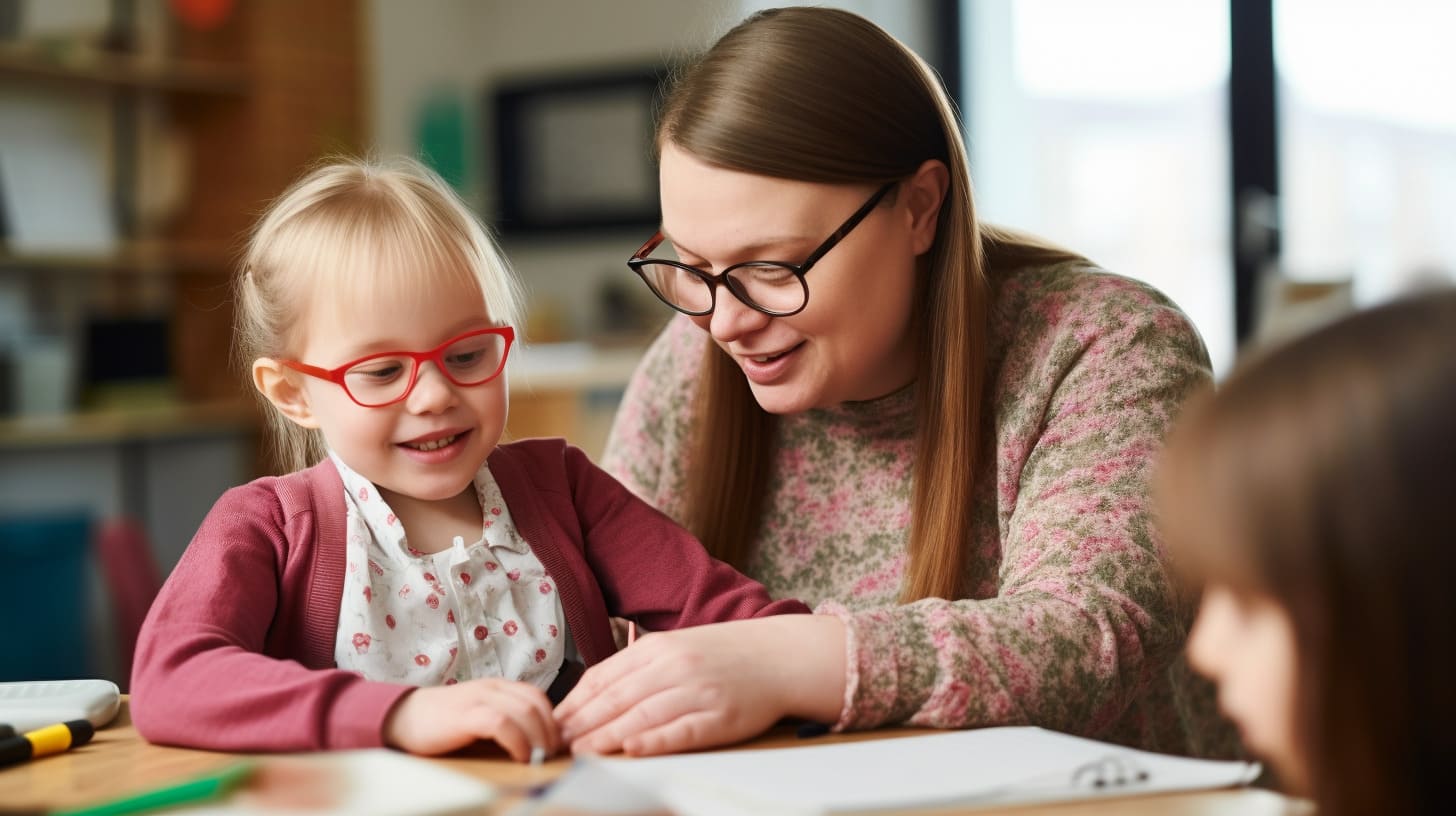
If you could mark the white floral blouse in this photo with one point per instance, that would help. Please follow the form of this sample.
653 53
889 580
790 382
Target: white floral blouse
485 609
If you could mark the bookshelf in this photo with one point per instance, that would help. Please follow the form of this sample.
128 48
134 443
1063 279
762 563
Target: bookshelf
140 257
101 70
167 422
253 101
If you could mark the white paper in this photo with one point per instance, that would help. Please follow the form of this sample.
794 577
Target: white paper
960 768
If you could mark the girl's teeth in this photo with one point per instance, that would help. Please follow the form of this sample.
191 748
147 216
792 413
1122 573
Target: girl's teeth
763 359
433 444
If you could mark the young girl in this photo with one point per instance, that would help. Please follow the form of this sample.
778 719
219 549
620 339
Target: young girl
421 586
1312 496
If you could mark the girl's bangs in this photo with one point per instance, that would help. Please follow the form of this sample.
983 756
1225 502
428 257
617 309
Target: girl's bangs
380 252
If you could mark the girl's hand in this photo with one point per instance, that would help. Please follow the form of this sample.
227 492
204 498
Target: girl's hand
440 719
709 685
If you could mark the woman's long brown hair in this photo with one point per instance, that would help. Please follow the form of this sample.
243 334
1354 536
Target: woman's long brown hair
822 95
1320 476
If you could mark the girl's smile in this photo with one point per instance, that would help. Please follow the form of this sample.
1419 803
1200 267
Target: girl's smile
437 447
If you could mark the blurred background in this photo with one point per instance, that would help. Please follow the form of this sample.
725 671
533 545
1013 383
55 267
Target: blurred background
1269 164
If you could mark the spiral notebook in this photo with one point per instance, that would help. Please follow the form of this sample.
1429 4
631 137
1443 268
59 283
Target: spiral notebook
989 766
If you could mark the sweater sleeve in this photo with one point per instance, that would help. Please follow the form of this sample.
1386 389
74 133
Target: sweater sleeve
201 676
652 570
1084 614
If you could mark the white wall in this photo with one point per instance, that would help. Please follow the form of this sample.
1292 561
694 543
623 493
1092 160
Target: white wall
464 46
461 47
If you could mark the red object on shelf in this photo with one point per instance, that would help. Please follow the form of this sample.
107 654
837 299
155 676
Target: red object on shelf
203 15
133 580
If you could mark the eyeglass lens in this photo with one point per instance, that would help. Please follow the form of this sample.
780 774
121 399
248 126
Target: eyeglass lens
766 286
386 378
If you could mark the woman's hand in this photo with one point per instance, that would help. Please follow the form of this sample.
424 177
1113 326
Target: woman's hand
709 685
440 719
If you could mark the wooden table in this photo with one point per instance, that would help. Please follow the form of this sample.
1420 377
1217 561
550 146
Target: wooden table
119 762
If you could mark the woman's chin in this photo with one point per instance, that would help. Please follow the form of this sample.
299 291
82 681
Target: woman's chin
783 398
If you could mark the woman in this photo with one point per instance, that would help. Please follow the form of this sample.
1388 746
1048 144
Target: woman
1311 499
937 432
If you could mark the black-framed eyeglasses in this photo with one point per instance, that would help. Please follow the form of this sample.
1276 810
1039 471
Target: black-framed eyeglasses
776 288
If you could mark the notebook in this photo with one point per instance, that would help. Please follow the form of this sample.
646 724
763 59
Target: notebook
989 766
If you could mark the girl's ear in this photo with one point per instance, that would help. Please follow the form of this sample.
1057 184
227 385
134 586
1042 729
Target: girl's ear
282 389
924 193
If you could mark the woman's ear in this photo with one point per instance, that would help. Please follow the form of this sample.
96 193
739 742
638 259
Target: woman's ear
923 194
282 389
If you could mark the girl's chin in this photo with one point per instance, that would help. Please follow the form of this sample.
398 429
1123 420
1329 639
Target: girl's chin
431 490
1288 771
1291 776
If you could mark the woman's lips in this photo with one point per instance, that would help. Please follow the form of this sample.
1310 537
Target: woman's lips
765 370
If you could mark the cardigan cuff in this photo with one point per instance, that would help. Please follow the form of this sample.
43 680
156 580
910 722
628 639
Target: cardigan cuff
357 716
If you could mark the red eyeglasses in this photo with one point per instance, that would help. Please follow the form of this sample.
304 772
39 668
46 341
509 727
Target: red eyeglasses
473 358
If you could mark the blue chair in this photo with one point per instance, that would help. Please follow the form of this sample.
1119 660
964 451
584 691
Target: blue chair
45 602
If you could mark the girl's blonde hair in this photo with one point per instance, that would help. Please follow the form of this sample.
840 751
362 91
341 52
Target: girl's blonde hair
823 95
353 229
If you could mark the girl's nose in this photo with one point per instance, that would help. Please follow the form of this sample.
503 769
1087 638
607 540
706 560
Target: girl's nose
433 391
1208 641
732 318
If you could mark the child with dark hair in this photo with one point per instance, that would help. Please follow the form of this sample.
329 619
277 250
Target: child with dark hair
1311 498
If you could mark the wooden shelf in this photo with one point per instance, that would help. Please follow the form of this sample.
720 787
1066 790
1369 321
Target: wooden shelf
100 69
127 425
141 256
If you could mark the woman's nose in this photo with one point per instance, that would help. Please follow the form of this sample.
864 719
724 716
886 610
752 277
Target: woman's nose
732 318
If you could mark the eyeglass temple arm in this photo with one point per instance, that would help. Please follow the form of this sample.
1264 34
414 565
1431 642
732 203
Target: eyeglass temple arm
648 247
312 371
859 215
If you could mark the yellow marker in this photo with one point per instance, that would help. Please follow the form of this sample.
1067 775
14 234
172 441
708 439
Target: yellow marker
52 739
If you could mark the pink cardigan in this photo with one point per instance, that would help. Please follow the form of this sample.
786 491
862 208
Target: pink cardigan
237 651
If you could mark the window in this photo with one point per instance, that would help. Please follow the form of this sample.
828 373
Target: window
1103 127
1367 143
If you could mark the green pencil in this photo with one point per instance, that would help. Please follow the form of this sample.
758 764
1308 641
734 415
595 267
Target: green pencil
213 785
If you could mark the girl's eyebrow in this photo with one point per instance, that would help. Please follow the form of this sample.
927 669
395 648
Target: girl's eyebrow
461 327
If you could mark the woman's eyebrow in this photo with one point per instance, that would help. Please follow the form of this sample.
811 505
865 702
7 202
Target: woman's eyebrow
759 247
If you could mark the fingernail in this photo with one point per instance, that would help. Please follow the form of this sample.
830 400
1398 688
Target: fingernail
538 755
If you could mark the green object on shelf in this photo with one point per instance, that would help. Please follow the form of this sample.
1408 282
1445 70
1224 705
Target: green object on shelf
205 788
440 132
131 396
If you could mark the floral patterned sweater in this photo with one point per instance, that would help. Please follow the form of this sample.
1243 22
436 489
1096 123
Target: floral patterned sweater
1069 620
